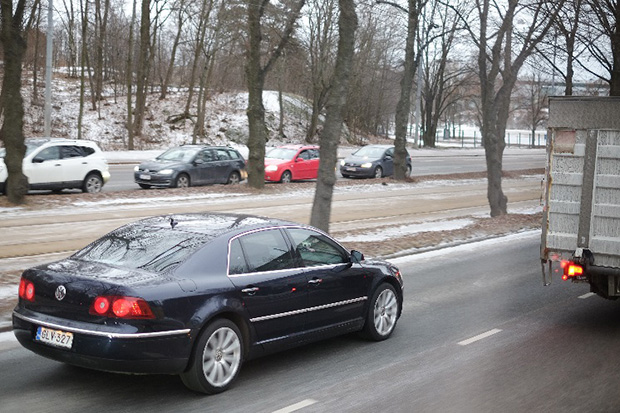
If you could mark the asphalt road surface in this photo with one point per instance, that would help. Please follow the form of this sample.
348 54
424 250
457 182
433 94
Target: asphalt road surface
122 175
479 333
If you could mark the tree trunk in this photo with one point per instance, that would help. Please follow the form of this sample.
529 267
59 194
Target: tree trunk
141 72
403 106
614 85
12 130
321 207
255 78
129 80
175 45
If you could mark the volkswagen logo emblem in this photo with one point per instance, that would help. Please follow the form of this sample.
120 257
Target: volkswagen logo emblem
61 291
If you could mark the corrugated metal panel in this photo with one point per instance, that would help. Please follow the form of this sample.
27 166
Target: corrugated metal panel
605 228
565 170
565 209
582 113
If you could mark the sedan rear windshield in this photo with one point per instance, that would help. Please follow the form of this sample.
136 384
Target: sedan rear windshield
150 248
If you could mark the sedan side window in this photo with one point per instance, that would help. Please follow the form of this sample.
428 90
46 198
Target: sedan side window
263 251
317 249
236 260
305 155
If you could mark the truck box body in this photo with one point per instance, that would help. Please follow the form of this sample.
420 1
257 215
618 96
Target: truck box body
581 220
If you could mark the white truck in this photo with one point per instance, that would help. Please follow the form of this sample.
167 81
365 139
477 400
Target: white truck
581 196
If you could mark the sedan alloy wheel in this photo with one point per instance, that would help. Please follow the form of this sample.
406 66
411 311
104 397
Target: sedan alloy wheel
216 359
383 313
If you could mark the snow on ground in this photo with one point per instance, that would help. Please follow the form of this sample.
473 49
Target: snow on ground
412 229
466 248
8 291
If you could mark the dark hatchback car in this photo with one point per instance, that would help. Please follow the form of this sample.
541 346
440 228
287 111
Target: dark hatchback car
198 294
191 165
371 161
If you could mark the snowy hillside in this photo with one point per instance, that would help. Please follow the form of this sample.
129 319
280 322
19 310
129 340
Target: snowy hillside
226 120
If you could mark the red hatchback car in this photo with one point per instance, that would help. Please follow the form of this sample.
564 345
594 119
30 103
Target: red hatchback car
291 163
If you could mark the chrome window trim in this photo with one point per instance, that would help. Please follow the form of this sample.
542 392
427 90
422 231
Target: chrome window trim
307 310
276 271
101 333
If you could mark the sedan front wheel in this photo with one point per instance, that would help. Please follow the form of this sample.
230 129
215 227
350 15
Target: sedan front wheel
182 181
216 358
382 313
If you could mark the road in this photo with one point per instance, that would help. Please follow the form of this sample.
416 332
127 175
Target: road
548 349
122 174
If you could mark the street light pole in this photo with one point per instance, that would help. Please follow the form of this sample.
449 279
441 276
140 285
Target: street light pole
48 69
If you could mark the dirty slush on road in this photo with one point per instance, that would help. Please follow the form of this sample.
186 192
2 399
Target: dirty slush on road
478 227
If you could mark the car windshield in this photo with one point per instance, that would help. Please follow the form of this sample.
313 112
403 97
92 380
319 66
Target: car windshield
179 154
281 153
370 152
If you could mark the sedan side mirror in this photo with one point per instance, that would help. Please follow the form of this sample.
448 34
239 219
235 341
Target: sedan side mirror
199 162
36 159
357 257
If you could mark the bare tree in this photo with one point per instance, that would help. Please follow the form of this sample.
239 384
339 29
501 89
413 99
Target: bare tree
129 79
322 204
605 30
12 36
403 108
180 11
142 67
502 51
321 41
255 72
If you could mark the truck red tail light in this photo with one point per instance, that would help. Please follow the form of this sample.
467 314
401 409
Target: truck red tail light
121 307
26 290
571 270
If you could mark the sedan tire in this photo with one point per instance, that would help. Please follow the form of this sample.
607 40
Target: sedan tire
382 313
92 184
234 179
378 172
216 358
182 181
286 177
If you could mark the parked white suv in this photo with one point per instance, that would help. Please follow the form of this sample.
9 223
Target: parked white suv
58 164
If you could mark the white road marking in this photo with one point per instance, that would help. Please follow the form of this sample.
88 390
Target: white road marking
588 295
296 406
479 337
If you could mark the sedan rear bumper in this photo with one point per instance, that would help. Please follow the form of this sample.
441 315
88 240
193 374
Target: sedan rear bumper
165 352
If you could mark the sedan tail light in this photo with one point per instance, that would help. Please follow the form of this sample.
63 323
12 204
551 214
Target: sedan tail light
26 290
121 307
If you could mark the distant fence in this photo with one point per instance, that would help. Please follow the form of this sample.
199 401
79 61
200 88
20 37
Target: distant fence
471 138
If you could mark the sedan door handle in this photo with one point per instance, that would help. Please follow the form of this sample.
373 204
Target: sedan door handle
315 281
250 290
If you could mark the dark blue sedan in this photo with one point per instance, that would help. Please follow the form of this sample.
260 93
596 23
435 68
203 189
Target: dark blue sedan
198 294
